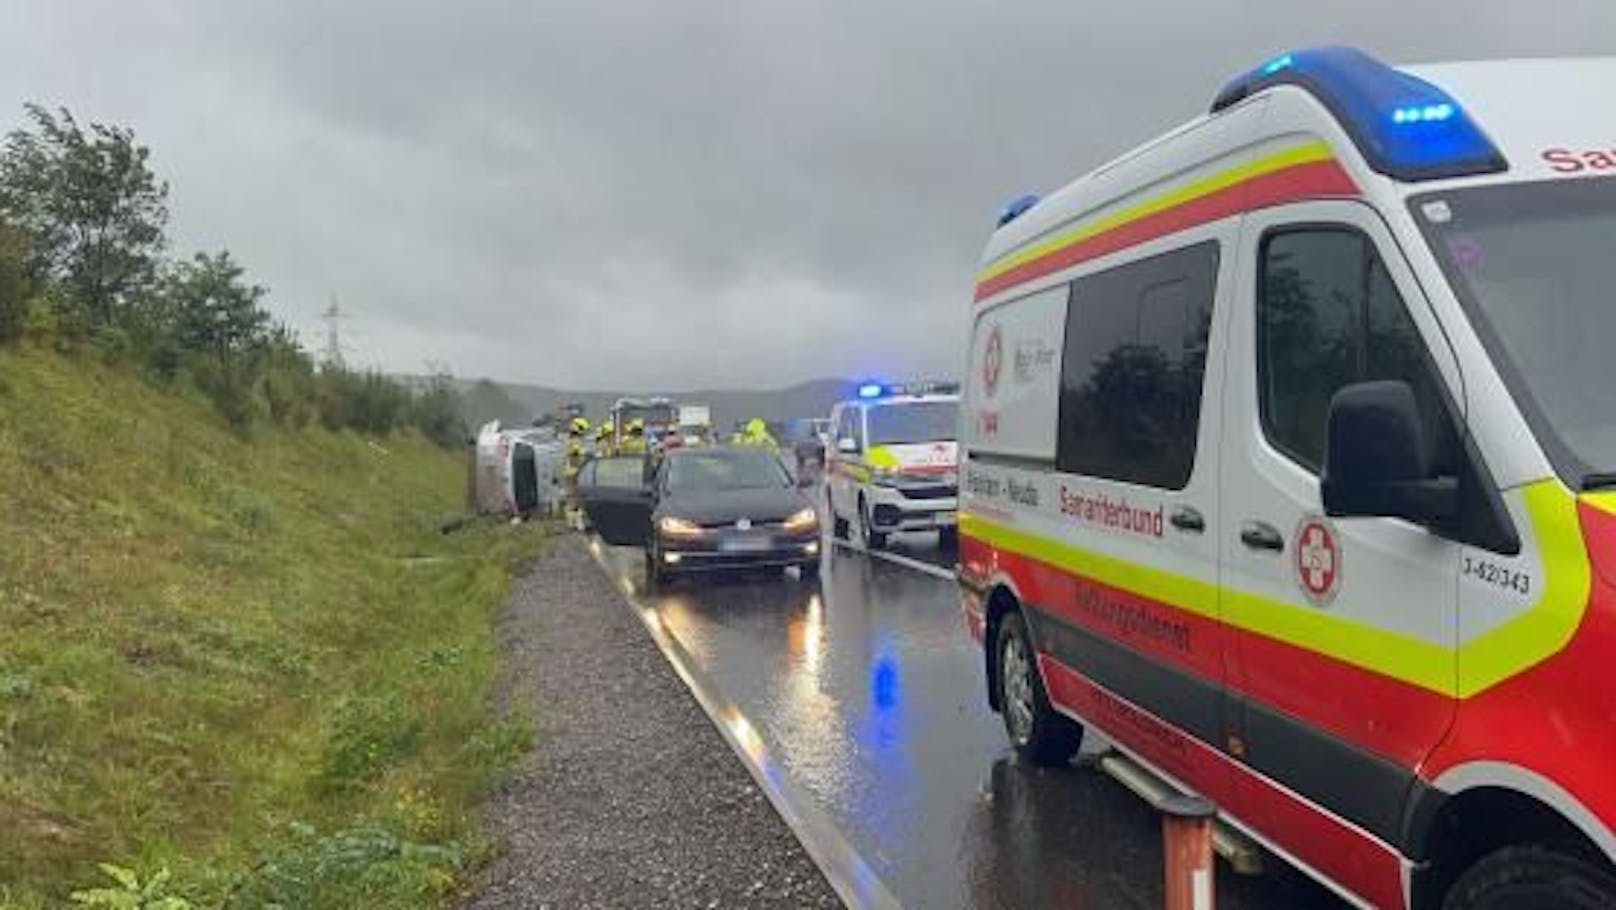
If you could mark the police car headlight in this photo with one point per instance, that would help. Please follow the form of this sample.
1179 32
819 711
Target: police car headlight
801 520
678 527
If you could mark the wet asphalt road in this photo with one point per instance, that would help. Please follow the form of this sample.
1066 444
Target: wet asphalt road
867 694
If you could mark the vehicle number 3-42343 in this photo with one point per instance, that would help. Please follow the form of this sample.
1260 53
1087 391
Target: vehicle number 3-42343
1494 574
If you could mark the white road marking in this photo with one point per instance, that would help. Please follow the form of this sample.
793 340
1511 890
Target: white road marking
908 562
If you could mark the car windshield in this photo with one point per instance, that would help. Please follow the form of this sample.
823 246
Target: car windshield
1533 267
911 422
726 471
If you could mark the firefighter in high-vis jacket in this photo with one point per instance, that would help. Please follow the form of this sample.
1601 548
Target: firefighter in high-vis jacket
633 441
603 440
577 447
756 433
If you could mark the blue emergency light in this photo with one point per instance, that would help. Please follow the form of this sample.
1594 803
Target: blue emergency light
1405 127
871 390
1017 207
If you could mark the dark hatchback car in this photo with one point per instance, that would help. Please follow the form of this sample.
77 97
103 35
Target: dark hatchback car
706 509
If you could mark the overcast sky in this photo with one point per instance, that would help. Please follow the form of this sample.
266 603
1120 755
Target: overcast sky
655 193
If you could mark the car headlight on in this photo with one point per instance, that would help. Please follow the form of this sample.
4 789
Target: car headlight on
801 520
678 527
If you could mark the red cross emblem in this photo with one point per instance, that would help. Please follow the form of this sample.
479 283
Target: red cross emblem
992 362
1318 559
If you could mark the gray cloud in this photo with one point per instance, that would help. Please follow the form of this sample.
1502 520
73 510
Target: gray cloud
657 192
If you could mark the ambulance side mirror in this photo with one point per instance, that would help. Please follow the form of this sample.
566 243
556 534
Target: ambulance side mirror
1378 458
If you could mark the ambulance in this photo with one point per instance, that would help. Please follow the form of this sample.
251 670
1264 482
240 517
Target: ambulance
1289 467
891 463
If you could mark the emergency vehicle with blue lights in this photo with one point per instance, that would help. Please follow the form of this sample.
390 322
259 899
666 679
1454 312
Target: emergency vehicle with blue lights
1289 464
891 462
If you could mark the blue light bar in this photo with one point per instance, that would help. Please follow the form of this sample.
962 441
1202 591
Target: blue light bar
1275 65
1017 207
871 390
1405 127
924 387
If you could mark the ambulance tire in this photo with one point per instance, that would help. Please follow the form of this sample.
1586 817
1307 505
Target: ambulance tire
1037 731
869 536
1532 878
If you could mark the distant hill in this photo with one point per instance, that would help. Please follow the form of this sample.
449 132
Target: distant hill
514 403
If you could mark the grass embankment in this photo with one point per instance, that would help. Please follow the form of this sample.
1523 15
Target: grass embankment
255 663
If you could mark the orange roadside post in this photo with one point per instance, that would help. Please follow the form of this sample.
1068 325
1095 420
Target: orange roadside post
1187 852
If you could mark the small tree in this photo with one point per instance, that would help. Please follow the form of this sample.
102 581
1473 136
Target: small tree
214 310
214 313
90 203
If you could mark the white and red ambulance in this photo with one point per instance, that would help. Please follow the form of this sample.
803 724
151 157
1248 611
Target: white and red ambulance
1289 465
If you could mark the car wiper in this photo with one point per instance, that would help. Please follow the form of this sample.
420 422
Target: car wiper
1598 480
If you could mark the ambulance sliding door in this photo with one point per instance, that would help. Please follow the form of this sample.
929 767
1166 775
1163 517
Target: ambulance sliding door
1136 645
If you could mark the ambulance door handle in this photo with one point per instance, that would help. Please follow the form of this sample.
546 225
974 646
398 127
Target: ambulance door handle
1260 535
1187 518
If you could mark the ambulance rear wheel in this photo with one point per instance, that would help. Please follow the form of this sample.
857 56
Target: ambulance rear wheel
1532 878
1038 733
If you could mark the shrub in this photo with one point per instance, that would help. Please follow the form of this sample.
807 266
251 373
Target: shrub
130 893
367 867
365 736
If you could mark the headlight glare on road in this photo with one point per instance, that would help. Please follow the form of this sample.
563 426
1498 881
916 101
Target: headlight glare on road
678 527
801 520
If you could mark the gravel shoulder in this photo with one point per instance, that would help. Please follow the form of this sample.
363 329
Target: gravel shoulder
631 797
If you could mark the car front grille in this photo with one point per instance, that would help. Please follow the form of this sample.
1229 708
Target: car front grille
929 492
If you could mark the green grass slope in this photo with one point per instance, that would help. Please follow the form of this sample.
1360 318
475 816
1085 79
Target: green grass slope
255 663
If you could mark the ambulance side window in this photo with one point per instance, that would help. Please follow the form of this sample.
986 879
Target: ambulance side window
1328 315
1136 337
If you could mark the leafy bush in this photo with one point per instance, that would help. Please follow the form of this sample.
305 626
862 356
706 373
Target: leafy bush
129 893
367 867
366 735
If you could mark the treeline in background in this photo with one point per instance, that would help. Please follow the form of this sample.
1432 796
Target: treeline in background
85 266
